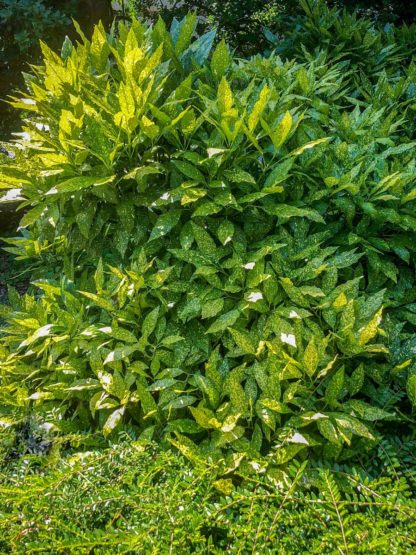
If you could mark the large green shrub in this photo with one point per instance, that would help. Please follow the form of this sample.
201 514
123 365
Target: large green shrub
230 247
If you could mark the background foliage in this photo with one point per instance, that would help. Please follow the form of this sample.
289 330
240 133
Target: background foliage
241 22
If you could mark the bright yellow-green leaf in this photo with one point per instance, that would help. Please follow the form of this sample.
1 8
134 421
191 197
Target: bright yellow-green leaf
258 109
225 96
311 358
282 131
371 329
220 60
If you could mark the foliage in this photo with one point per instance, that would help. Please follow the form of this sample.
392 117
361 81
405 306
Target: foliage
344 35
131 498
23 22
240 22
237 247
384 10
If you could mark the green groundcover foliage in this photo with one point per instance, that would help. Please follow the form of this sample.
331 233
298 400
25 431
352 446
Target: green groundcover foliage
223 249
130 499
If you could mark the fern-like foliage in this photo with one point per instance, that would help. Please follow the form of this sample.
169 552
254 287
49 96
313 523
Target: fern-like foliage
130 498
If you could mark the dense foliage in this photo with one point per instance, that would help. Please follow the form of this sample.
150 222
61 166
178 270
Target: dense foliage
241 22
224 247
359 41
23 22
129 499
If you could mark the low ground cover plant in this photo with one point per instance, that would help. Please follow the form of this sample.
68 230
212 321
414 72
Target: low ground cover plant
132 498
224 248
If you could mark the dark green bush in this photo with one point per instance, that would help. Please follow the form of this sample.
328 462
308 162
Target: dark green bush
230 247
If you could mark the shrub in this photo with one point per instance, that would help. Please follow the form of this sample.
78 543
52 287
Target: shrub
127 499
237 247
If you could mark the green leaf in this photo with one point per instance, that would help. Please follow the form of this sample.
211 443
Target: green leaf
328 429
184 426
205 418
411 389
189 170
66 48
121 353
79 183
99 276
32 216
210 389
279 173
335 387
44 331
285 454
225 232
244 341
165 223
225 96
258 109
187 28
308 146
224 321
353 425
356 380
188 449
120 334
237 175
282 131
113 421
200 49
212 308
371 329
220 60
99 301
285 212
366 411
149 323
311 358
275 406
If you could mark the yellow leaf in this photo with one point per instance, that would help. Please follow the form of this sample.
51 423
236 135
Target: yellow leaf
282 131
258 108
310 358
371 329
225 96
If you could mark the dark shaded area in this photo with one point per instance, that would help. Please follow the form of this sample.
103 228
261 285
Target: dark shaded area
241 22
11 275
23 23
397 11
